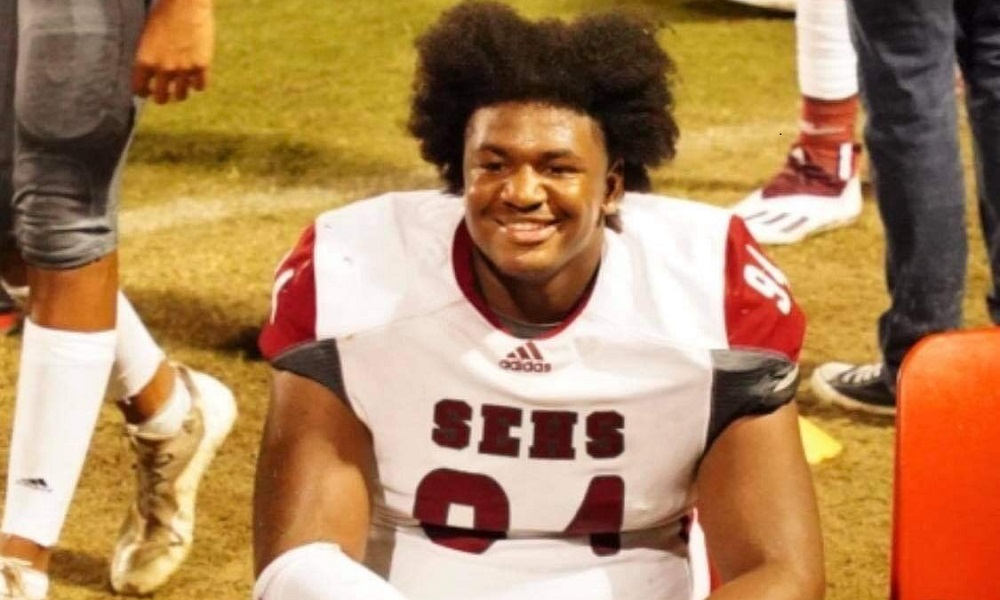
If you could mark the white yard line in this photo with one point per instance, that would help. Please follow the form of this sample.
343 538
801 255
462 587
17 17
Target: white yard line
187 211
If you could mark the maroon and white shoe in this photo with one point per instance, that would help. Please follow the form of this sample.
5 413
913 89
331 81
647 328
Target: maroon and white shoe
804 198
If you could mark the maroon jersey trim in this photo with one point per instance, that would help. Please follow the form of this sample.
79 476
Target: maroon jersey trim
461 260
294 303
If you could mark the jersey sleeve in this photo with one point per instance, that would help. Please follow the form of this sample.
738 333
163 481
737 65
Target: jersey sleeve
758 373
292 320
761 312
288 339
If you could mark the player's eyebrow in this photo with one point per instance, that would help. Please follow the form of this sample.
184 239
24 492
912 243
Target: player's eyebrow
548 155
494 148
557 154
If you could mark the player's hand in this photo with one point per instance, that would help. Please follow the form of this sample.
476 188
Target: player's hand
175 50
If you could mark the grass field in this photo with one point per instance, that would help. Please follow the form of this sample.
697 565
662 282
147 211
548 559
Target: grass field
306 111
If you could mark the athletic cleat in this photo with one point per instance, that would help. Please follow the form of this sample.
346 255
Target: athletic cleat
854 387
19 581
158 530
804 199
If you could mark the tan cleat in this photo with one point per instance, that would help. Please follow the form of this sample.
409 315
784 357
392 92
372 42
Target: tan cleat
159 528
18 581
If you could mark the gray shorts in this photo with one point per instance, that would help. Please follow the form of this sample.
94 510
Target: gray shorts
66 117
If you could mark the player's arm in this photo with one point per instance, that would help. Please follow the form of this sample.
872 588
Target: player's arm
757 506
311 501
755 494
175 50
311 497
310 483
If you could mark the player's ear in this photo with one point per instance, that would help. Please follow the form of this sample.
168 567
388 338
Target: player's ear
613 192
615 181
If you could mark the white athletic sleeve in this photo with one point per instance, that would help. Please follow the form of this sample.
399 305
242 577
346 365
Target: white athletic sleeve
320 571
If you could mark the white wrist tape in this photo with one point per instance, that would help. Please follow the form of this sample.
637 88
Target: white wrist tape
320 571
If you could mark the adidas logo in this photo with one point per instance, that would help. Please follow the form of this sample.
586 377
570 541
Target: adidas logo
38 484
527 359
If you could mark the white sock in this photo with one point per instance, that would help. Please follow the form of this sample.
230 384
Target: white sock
168 420
60 387
137 356
826 58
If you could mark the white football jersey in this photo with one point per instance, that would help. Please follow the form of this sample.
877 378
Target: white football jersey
509 465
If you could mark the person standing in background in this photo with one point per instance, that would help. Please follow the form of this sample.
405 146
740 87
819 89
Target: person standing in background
67 113
907 51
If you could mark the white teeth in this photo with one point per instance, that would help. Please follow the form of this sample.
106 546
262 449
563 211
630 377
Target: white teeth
525 226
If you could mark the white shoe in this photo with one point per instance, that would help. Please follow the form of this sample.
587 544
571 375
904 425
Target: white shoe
803 199
787 6
18 581
158 530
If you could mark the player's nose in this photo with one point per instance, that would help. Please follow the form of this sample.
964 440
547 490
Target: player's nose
524 189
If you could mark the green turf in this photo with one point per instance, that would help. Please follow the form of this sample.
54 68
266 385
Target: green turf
307 94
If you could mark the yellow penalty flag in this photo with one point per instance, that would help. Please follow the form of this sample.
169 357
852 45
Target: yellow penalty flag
819 445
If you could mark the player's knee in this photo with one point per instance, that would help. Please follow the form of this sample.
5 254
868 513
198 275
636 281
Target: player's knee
73 85
62 220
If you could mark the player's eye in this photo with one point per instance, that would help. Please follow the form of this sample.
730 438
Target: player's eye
563 169
491 166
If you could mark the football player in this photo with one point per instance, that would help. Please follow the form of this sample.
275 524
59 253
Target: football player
818 188
522 385
68 71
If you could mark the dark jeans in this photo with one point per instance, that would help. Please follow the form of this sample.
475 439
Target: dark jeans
907 52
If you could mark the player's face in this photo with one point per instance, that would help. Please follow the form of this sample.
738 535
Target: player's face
537 180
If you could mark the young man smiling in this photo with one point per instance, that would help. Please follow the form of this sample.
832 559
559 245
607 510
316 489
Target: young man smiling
404 455
539 185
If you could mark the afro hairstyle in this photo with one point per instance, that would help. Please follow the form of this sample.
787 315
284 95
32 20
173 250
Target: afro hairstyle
608 66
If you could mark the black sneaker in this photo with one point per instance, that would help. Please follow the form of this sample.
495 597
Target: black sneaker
854 387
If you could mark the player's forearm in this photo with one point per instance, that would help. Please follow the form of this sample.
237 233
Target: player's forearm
774 581
301 496
310 484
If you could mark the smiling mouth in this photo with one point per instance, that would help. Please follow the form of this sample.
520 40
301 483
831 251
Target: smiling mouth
528 232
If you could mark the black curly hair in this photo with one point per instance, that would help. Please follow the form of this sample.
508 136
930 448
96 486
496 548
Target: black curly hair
608 66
